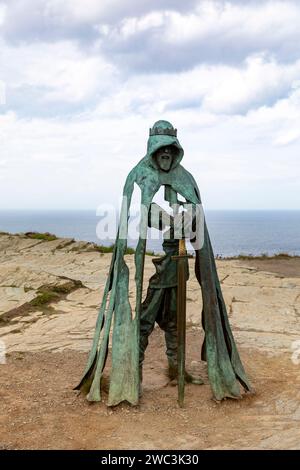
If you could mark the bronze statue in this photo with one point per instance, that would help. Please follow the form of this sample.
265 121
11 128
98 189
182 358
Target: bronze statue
165 299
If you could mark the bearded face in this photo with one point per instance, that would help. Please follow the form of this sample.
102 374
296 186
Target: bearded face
164 157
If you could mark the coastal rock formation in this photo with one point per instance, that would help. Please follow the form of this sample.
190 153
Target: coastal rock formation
50 293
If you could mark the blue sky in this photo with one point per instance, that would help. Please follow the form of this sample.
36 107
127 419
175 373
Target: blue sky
81 82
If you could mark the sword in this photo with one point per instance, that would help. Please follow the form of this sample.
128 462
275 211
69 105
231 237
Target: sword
171 196
181 317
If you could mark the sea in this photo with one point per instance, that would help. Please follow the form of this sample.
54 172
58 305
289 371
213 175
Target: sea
232 232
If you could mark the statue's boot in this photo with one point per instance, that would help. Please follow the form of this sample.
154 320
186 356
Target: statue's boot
171 343
173 374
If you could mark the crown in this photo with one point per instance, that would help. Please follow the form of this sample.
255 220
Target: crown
162 131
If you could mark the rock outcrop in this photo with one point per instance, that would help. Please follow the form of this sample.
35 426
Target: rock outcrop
50 292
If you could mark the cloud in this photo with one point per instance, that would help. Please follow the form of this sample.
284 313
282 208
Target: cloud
2 93
236 159
85 81
2 14
214 32
288 136
214 90
283 117
259 82
49 20
53 78
160 36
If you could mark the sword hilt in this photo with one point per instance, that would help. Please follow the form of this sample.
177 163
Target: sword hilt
182 253
182 247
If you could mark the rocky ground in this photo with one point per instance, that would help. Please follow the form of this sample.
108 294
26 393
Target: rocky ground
49 295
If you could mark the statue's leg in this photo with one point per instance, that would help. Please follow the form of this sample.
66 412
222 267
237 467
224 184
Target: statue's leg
168 322
149 312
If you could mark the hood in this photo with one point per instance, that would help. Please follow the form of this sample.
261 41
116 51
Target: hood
161 140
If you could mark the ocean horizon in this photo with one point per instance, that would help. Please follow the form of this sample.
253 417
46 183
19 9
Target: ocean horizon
232 232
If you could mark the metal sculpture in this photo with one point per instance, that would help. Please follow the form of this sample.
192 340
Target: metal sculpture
165 299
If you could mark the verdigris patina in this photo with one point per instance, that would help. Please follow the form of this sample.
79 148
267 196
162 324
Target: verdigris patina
160 167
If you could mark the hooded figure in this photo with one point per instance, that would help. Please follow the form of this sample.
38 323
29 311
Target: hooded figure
131 329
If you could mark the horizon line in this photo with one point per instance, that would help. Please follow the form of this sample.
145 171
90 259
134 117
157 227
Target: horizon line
94 209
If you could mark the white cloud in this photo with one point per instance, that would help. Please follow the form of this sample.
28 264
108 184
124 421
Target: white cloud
2 93
283 118
62 73
70 162
256 83
161 36
81 12
31 20
57 72
2 14
78 108
243 21
289 136
71 79
132 26
214 89
214 32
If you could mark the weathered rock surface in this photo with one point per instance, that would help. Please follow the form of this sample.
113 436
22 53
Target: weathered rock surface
264 308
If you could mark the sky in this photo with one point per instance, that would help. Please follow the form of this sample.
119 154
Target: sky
82 81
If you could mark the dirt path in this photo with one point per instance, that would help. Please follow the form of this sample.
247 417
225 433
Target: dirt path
40 410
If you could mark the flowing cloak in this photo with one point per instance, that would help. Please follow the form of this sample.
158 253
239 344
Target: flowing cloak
225 370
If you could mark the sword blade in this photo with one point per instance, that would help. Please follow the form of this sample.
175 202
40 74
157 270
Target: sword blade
181 327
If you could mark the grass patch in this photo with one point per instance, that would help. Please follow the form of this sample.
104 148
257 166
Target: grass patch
46 236
285 256
150 253
66 288
110 249
104 249
263 256
49 237
47 294
44 298
129 251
